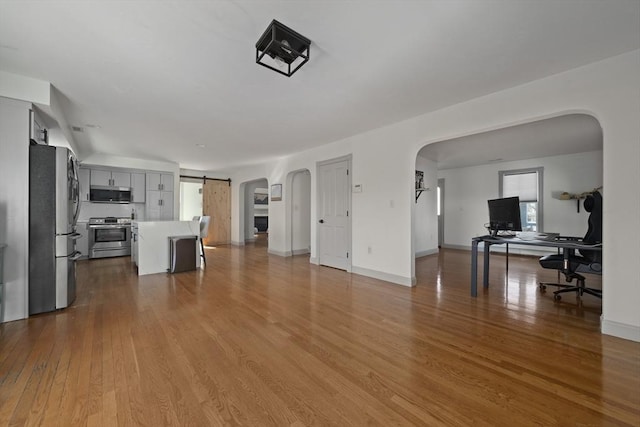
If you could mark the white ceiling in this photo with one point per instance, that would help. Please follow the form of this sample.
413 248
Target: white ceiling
161 77
574 133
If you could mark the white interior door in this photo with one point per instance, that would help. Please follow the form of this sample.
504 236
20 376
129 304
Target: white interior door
333 220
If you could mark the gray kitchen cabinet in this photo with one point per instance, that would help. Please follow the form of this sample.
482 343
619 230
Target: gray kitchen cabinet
167 206
110 178
100 177
82 244
121 179
159 206
84 176
138 193
157 181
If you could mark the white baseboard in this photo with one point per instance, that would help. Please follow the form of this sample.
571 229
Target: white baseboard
289 253
279 253
393 278
234 243
620 330
420 254
459 247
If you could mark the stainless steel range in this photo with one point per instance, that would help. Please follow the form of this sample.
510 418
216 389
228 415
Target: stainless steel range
109 237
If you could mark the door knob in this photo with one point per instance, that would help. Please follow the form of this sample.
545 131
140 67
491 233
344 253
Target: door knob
321 221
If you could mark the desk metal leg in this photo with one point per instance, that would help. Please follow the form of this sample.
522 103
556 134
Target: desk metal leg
474 268
485 273
507 266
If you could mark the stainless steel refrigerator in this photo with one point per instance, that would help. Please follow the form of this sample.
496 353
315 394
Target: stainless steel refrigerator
53 211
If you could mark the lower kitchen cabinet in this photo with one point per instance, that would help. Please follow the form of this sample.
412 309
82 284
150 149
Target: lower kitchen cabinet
159 206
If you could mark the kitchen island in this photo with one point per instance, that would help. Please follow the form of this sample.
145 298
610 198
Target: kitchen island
150 243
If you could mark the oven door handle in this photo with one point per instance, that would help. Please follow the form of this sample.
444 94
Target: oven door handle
109 226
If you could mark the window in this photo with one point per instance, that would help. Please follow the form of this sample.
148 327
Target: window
527 185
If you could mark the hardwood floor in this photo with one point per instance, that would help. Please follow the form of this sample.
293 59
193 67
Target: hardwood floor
262 340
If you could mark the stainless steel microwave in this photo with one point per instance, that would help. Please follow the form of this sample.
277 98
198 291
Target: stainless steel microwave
104 194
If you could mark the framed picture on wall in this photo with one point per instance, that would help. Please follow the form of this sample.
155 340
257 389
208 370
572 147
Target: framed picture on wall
419 180
276 192
261 196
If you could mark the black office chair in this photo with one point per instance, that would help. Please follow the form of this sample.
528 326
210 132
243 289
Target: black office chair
589 261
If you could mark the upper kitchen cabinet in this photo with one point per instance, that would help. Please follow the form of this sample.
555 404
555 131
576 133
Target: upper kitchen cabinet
110 178
84 176
121 179
138 192
157 181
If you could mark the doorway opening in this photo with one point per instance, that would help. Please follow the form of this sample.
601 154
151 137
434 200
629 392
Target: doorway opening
567 147
299 212
256 212
190 199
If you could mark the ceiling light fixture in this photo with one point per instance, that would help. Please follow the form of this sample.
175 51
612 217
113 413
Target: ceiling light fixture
282 49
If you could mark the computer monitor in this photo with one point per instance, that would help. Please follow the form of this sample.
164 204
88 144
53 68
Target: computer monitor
504 214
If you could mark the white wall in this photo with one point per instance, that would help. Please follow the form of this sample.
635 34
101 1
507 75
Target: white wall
425 227
14 206
384 163
301 212
468 190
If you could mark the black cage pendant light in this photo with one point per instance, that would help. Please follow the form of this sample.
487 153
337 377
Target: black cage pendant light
282 49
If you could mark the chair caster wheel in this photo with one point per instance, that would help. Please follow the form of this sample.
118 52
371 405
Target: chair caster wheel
542 288
557 297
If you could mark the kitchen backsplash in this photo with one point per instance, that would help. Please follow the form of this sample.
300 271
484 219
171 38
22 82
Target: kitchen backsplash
100 210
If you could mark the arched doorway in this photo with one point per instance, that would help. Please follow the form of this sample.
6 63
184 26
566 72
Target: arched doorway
256 212
568 148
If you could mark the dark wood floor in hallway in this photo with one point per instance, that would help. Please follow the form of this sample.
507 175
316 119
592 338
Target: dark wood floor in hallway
256 339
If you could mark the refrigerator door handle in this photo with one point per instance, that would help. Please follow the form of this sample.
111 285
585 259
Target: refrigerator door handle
75 256
76 196
76 236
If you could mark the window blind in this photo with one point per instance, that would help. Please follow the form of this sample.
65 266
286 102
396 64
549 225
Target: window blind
523 185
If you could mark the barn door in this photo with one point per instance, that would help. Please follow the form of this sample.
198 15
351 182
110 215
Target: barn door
216 203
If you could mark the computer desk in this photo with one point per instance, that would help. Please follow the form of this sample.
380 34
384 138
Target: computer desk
560 243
